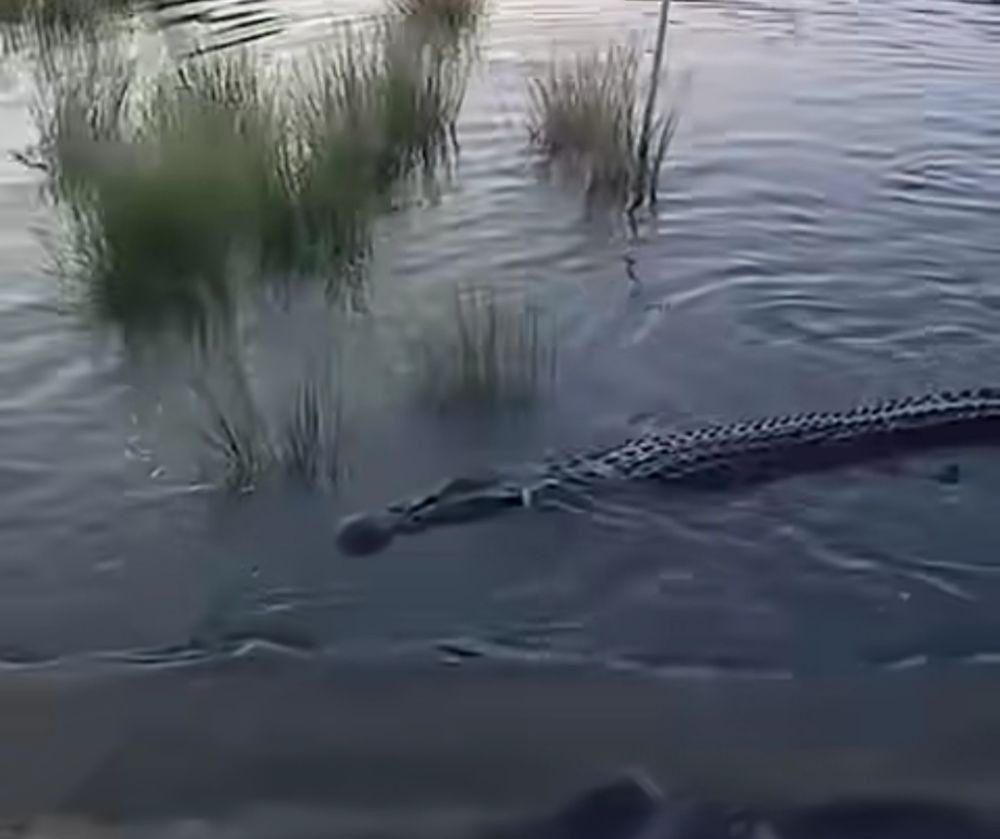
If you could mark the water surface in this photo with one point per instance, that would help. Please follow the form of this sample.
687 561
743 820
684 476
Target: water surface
827 234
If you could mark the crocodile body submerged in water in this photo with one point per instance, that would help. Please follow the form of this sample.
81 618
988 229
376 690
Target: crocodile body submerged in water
711 457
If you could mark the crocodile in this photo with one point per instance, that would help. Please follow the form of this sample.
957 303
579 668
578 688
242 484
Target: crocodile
719 456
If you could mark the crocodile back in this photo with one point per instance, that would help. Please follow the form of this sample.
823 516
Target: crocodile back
764 449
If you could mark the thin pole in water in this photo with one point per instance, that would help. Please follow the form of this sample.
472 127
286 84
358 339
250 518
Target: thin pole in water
642 154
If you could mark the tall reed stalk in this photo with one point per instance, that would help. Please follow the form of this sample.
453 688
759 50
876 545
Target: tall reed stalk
643 190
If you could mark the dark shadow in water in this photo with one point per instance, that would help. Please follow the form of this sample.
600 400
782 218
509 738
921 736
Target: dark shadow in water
632 808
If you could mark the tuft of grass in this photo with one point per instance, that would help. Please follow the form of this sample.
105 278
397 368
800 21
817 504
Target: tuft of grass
585 115
169 188
311 434
389 95
80 110
247 443
453 18
43 25
491 351
159 193
237 444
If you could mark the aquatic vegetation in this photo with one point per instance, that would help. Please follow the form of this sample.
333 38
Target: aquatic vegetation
487 350
158 193
147 255
311 434
80 110
368 116
240 449
452 17
44 24
180 192
396 96
585 115
248 445
645 186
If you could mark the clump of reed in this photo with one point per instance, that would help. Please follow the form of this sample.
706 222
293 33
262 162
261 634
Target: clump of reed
585 116
161 191
371 114
453 18
486 350
45 24
179 192
246 449
81 109
310 436
240 451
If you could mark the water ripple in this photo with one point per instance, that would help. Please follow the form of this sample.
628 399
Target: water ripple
826 235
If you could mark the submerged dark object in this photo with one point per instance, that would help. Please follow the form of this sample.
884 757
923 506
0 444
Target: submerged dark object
713 457
632 808
365 534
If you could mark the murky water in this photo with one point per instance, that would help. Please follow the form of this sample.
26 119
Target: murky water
827 233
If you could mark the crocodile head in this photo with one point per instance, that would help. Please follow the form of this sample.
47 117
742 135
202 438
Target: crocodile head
457 502
366 533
